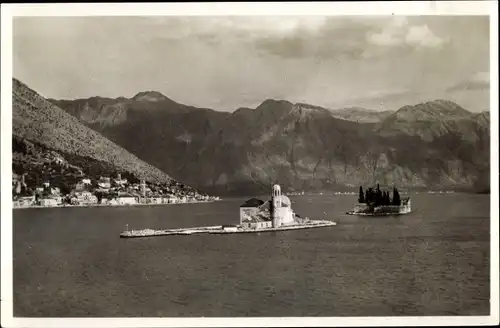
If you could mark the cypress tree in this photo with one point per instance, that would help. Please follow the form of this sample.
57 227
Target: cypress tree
378 195
396 200
369 196
361 198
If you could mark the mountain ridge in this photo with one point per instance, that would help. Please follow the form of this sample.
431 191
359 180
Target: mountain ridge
305 146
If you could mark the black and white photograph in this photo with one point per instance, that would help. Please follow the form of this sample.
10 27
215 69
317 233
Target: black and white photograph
223 164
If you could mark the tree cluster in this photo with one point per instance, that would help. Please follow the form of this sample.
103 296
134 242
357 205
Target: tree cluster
377 197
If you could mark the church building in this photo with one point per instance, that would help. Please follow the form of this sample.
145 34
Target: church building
274 213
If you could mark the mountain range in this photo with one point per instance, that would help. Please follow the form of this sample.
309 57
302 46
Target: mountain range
437 144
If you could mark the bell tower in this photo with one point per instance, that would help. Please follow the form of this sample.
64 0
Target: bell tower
276 205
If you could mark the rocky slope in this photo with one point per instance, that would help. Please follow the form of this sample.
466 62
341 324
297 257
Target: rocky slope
361 115
37 121
434 145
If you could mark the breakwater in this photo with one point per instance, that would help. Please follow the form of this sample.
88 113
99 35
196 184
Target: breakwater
221 230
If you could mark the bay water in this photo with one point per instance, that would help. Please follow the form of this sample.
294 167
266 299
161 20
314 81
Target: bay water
70 262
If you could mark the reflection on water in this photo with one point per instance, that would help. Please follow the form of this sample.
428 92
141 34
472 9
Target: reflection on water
435 261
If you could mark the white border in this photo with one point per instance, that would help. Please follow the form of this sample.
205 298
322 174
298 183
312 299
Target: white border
309 8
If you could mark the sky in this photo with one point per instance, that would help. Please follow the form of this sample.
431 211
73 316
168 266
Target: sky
228 62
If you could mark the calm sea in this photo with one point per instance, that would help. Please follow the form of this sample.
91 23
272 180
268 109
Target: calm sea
435 261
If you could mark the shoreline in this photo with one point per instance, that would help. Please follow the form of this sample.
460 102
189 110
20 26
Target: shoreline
110 205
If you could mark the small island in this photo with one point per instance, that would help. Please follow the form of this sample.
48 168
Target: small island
376 202
275 214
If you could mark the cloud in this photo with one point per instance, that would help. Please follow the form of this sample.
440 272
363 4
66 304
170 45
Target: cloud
422 36
343 37
478 81
251 27
333 38
399 32
481 77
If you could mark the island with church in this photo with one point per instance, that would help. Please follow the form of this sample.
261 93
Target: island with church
377 202
256 215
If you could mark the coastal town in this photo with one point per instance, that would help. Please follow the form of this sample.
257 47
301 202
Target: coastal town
105 191
44 177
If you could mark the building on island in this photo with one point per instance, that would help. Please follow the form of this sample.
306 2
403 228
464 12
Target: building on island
249 214
379 202
274 213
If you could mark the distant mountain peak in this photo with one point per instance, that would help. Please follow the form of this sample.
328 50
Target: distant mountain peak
435 109
269 102
150 96
242 111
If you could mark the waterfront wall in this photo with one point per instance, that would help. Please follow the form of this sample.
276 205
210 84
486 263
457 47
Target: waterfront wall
363 208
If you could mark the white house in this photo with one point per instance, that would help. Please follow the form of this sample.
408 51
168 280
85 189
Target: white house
80 185
55 191
229 228
59 160
154 200
84 198
25 201
49 202
126 200
104 184
170 199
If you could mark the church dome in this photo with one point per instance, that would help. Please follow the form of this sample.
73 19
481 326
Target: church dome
285 201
